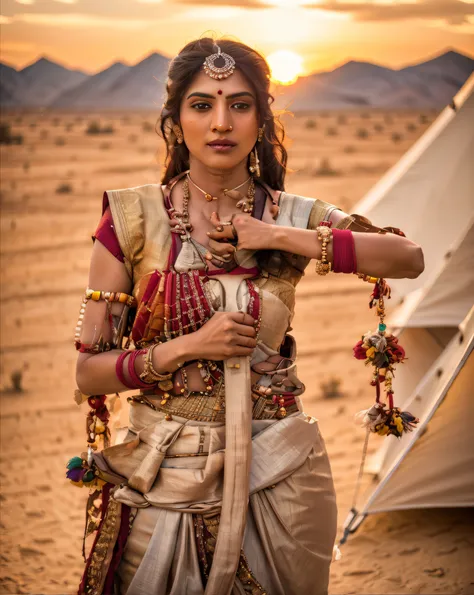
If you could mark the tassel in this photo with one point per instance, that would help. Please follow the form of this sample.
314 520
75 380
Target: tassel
383 352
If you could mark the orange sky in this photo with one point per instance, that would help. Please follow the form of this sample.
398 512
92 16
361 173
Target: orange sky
91 34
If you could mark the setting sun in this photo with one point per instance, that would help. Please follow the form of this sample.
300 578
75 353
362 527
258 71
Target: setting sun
286 66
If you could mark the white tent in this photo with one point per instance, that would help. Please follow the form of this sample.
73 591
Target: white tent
429 193
431 467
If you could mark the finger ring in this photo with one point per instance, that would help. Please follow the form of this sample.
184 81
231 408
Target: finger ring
219 228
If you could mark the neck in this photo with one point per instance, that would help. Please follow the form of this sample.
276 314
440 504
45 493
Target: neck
215 181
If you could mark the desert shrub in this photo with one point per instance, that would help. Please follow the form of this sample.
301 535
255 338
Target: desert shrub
331 131
147 127
95 128
56 121
60 141
125 120
325 168
43 134
332 388
362 133
68 127
16 378
341 120
349 149
7 138
410 127
423 119
33 125
310 124
378 127
64 188
104 146
396 137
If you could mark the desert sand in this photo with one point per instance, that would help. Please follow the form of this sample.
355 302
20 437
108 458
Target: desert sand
51 196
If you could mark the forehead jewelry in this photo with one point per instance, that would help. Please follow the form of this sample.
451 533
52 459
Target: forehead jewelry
219 72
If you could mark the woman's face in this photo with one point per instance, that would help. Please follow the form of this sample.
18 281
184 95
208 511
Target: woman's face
213 110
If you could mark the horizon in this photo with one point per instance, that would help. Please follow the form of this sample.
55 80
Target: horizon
86 36
128 63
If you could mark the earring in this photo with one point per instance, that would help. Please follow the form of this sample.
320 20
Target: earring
254 166
179 133
260 133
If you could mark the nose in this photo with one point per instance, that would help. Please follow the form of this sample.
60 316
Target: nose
221 120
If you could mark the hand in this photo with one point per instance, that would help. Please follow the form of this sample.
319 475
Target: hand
252 234
225 335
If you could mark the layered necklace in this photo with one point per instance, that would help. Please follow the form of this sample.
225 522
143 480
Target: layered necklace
246 205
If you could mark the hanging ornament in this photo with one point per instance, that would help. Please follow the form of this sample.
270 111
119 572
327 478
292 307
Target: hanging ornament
383 352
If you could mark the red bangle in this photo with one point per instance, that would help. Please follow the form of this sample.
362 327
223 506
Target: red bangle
119 369
343 250
138 382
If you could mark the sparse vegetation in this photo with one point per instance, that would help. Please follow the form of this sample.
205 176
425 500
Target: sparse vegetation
341 120
424 119
7 138
68 127
331 131
60 141
411 127
147 127
95 128
64 188
56 121
26 166
33 125
362 133
326 169
332 388
378 127
104 146
349 149
311 124
16 378
396 137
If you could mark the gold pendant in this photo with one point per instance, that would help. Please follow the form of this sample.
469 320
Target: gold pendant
209 197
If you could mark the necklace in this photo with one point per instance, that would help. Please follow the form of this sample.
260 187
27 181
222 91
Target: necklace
208 196
245 204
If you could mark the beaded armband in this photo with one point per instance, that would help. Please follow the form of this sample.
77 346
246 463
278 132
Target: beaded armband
323 266
118 329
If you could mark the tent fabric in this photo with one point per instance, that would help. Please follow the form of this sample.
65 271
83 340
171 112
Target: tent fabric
429 192
438 470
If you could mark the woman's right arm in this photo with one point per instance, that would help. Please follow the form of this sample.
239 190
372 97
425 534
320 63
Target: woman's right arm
225 335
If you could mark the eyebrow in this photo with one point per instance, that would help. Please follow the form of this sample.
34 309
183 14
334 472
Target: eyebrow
208 96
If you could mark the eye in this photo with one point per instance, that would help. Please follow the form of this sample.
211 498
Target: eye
241 105
201 106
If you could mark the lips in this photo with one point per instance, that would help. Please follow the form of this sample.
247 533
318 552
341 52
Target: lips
222 143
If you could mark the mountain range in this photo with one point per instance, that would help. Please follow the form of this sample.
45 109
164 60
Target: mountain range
45 83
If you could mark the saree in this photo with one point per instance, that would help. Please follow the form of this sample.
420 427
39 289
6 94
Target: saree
238 502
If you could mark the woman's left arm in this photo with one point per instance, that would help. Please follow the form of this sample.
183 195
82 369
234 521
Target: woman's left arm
378 255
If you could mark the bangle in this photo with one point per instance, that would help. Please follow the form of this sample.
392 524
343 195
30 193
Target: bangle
343 250
138 381
149 373
119 369
323 266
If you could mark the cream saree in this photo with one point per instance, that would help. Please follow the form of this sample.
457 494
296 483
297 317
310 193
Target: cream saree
241 506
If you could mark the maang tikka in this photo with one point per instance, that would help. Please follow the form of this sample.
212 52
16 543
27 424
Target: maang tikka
219 72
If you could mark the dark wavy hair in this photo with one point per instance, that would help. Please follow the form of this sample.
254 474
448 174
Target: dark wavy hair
271 152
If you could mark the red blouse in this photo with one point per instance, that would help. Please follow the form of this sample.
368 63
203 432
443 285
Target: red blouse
105 231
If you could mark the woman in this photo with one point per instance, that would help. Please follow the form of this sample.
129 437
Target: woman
220 483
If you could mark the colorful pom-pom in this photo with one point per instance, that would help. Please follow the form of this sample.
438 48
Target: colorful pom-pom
74 463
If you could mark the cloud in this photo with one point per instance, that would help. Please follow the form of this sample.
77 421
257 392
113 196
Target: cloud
451 11
79 20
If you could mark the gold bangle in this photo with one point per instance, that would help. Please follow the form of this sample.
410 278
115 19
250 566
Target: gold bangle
323 266
149 373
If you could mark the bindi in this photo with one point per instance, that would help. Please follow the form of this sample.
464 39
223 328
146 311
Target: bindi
219 92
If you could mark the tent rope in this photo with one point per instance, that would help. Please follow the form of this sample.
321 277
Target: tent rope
361 469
